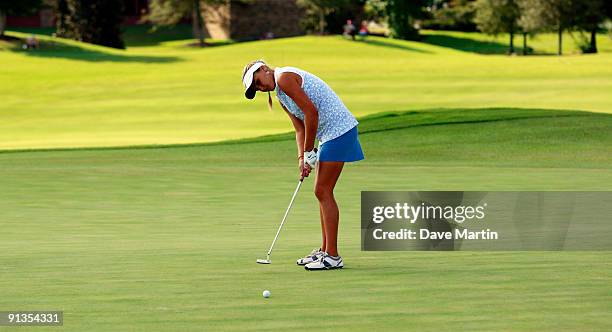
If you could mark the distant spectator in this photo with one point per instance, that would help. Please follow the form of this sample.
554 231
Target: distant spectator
31 42
267 35
349 30
363 30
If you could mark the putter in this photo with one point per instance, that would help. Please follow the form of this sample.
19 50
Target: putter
267 260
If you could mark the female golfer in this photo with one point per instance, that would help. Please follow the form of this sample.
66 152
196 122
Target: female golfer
314 110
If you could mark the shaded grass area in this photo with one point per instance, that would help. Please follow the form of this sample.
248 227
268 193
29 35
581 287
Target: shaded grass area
470 45
60 48
541 44
141 35
133 35
166 238
146 35
492 136
393 44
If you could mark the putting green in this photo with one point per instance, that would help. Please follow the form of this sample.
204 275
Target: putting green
166 238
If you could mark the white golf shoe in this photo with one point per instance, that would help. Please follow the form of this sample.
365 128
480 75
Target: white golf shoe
313 256
325 262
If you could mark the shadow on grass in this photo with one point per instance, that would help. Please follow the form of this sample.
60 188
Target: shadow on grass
133 35
50 49
386 43
144 35
380 122
444 116
472 45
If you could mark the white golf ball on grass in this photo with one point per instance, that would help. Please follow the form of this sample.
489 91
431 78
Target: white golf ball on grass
266 293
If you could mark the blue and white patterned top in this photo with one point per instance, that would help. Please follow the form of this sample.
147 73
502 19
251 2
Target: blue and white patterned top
334 118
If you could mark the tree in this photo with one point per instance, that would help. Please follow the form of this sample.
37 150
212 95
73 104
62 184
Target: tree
452 15
402 15
316 12
16 7
530 21
62 22
375 10
552 15
353 10
101 22
608 14
590 13
170 12
91 21
498 16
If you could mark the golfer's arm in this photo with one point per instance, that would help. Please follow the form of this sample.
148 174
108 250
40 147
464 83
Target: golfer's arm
299 131
311 121
291 84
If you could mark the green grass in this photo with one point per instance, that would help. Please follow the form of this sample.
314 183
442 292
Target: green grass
159 236
166 238
69 94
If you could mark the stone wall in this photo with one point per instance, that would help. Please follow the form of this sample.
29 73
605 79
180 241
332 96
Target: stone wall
217 21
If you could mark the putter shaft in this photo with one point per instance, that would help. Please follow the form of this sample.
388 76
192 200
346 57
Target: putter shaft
284 217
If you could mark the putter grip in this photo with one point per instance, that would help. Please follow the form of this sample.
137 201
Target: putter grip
302 177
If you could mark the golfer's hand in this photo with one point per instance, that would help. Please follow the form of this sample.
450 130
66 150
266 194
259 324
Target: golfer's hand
310 157
304 168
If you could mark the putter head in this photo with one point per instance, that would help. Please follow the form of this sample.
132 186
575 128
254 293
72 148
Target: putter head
264 261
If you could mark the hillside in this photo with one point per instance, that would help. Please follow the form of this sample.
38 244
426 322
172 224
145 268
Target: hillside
69 94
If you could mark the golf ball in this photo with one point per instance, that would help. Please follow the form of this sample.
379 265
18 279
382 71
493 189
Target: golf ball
266 293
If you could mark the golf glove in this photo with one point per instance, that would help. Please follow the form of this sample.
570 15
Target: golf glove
310 157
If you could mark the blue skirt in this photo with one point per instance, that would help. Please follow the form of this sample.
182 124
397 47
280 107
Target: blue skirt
344 148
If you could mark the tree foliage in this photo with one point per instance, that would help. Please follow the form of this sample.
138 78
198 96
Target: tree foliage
91 21
317 11
452 15
533 16
498 16
16 7
375 10
19 7
402 15
168 12
551 15
590 14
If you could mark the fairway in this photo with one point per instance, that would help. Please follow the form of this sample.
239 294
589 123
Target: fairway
72 94
140 239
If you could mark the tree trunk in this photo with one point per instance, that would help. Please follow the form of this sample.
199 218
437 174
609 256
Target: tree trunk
2 22
560 50
198 22
524 43
61 19
511 50
594 40
321 22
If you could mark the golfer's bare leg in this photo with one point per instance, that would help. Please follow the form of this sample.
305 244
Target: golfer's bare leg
327 176
323 247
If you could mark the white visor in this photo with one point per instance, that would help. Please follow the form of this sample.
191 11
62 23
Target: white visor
247 80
